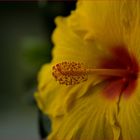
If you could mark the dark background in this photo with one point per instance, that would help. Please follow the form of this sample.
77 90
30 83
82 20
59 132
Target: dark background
25 44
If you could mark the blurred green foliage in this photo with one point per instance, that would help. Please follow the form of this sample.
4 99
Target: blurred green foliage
36 52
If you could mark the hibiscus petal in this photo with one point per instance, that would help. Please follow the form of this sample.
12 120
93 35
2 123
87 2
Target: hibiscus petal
68 45
101 19
90 117
129 115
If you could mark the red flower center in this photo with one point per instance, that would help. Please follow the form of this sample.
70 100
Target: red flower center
120 59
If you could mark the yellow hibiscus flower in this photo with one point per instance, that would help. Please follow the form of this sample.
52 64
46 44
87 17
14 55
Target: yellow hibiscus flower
96 93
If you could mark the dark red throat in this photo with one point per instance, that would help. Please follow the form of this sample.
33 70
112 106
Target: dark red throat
120 59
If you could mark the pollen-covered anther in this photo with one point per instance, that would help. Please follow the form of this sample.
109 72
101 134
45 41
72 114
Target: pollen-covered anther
69 73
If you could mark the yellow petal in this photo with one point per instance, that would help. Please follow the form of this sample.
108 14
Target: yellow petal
90 117
135 40
109 21
70 47
129 115
101 19
93 28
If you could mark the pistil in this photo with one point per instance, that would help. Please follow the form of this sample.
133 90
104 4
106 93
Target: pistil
71 73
